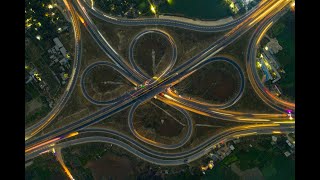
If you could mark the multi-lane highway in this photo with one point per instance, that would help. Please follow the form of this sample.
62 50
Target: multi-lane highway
163 158
257 123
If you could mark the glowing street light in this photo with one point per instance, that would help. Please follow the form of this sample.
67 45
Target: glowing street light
38 37
259 64
153 9
50 6
292 5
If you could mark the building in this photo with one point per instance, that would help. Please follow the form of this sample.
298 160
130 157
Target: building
28 79
62 69
63 61
237 6
63 51
271 59
265 70
63 77
274 46
232 147
57 42
42 84
287 154
268 64
236 141
56 48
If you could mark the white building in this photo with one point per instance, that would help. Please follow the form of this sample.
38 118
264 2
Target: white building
274 138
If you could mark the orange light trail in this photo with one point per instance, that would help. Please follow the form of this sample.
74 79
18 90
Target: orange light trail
72 134
66 170
42 144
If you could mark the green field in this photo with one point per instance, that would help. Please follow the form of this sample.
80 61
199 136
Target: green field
203 9
45 167
269 159
284 31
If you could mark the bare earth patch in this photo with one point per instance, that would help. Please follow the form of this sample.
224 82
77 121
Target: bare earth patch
110 166
33 105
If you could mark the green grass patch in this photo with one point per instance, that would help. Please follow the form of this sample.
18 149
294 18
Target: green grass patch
284 31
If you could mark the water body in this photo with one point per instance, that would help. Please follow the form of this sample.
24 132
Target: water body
201 9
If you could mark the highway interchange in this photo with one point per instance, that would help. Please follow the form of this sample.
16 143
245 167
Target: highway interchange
160 88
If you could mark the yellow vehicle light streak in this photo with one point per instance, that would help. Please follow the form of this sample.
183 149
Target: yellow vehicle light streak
72 134
169 97
92 3
266 12
81 19
245 134
145 139
176 103
263 33
67 4
276 132
43 125
261 125
285 122
251 119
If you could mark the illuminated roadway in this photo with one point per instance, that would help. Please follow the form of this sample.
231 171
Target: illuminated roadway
162 158
116 109
165 22
157 86
260 89
34 129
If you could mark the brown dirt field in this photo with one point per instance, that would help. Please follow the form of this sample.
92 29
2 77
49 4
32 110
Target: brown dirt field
104 83
152 120
110 166
218 82
143 53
